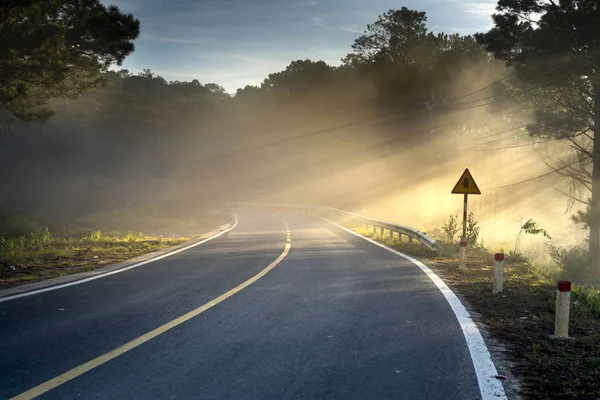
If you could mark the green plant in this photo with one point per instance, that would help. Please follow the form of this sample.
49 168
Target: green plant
14 224
472 230
450 229
589 296
95 236
529 228
574 261
515 258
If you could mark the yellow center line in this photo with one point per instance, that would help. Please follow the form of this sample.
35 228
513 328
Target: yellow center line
104 358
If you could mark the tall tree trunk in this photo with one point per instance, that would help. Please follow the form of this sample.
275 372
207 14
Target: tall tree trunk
593 220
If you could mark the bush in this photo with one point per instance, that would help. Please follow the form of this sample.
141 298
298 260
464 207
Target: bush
14 224
574 261
450 229
589 296
516 258
472 231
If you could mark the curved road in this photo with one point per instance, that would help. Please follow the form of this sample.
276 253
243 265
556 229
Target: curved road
336 318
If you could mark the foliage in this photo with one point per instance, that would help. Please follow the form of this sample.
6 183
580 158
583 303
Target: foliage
407 62
450 229
18 223
574 261
142 124
57 49
589 296
530 227
472 230
559 41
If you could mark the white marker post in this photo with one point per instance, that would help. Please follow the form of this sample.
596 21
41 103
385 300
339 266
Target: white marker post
563 306
498 273
466 185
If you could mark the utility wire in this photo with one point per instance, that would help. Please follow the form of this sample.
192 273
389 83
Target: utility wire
511 147
494 134
534 178
531 89
484 88
515 88
378 119
503 139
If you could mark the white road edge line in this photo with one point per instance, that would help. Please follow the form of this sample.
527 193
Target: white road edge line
118 271
489 386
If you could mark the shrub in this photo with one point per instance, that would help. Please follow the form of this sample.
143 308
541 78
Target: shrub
450 229
574 261
472 231
529 228
14 224
589 296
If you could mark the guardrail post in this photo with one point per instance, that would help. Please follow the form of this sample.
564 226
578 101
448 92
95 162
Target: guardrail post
563 305
374 230
462 256
498 273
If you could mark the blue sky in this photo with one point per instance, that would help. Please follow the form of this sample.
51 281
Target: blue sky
239 42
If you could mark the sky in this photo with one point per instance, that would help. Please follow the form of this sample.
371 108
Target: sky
240 42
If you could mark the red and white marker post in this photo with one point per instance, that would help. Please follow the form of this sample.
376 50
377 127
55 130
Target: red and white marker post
498 273
563 307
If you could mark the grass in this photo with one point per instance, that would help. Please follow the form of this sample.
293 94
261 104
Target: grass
41 255
588 296
522 319
30 252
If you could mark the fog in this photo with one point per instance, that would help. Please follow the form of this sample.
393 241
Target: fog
397 166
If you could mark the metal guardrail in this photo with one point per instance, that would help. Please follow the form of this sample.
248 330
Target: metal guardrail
400 230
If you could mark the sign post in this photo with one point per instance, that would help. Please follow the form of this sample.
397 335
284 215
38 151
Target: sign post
466 185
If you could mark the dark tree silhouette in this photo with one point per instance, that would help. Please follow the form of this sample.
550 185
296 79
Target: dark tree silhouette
557 45
57 49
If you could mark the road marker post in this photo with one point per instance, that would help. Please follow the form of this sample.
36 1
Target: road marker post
466 185
498 273
563 306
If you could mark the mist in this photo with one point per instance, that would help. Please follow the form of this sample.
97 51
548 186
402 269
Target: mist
347 154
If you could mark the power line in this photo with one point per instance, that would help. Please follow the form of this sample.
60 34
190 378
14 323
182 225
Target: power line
495 134
531 89
534 178
503 139
376 119
513 147
484 88
513 89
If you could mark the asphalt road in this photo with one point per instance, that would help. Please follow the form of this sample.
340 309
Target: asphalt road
337 318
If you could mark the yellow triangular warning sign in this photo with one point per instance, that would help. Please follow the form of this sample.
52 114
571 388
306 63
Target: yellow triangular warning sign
466 184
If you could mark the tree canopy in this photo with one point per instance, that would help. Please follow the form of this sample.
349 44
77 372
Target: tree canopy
555 46
57 48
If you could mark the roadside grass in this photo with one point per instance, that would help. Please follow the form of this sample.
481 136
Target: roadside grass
41 255
34 249
522 319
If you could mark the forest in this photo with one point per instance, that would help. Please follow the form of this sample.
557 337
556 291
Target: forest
385 132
